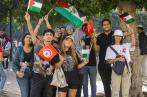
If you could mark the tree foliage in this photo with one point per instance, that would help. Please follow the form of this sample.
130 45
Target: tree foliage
6 6
86 7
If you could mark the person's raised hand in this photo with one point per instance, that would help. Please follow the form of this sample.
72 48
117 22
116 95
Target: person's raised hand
46 17
40 21
93 38
27 16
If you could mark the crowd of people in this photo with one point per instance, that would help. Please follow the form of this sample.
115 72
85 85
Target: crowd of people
5 46
34 74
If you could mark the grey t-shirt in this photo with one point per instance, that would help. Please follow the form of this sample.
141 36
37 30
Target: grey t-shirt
68 64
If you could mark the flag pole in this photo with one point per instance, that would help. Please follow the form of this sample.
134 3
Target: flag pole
28 5
50 11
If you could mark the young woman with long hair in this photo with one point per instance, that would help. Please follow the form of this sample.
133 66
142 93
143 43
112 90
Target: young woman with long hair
71 64
22 62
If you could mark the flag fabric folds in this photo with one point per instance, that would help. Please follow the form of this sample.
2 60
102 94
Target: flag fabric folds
48 52
90 28
86 48
62 4
34 6
85 53
127 18
71 14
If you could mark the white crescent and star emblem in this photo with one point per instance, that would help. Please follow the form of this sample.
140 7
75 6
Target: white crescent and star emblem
47 53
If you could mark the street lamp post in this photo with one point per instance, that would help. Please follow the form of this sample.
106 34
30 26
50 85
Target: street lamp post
13 5
10 16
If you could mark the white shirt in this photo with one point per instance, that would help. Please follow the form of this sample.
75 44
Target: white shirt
123 49
8 46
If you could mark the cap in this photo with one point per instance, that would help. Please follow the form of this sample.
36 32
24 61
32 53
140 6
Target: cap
118 33
69 27
140 26
57 30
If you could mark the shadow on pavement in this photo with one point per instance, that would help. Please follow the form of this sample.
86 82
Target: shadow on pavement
8 94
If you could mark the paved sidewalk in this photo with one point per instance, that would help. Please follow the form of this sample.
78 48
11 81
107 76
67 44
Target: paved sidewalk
9 94
11 87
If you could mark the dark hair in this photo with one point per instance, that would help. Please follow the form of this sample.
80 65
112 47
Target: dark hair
62 27
113 40
84 26
105 20
48 31
23 38
141 28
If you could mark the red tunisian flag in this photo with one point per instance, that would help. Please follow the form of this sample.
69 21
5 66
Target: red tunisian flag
48 52
90 28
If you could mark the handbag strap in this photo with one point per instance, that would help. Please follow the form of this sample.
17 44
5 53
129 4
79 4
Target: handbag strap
114 51
118 55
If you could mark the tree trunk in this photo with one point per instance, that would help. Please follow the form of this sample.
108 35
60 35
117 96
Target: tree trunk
136 78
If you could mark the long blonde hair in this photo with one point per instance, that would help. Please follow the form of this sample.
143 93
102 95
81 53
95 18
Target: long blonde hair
72 51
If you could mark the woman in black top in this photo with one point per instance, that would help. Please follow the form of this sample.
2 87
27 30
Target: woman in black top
70 67
22 64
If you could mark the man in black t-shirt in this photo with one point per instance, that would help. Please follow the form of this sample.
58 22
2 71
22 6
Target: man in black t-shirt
90 71
143 48
103 41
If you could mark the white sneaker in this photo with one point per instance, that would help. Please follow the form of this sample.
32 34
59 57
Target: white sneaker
8 83
10 69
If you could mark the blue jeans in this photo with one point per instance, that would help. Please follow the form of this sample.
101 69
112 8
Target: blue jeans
24 84
3 77
92 73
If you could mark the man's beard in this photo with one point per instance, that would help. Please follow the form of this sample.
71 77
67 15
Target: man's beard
48 41
107 30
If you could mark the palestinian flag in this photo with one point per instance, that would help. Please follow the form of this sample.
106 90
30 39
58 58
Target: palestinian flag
85 53
34 6
127 18
86 49
71 14
48 52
